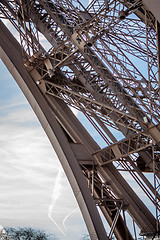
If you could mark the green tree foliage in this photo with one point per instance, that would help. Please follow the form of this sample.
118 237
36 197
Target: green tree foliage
28 234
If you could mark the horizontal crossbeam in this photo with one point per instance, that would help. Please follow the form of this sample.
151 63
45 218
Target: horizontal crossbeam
124 148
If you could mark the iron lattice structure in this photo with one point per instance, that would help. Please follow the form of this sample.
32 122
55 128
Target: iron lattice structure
103 60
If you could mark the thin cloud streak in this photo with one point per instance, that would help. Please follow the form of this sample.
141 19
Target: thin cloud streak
54 198
64 220
29 177
12 105
29 169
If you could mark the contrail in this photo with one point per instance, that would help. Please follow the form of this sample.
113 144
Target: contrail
56 224
68 216
54 197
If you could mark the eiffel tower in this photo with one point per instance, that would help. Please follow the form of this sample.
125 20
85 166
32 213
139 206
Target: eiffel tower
103 60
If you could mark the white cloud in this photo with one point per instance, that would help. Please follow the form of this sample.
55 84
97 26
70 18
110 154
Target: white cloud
29 168
11 28
75 111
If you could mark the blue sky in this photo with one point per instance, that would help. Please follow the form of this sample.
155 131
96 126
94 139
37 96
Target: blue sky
33 186
34 189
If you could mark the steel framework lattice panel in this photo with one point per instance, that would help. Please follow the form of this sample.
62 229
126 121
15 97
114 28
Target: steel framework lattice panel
104 61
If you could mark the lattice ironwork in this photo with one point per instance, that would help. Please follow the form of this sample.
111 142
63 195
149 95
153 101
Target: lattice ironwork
104 61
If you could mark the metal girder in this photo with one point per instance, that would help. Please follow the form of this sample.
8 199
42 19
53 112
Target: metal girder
60 112
45 124
89 68
59 60
10 53
89 54
110 174
81 101
121 121
125 147
154 8
101 49
17 70
98 66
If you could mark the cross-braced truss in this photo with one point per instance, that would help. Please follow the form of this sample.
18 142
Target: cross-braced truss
103 60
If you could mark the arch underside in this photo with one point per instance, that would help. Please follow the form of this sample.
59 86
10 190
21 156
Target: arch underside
75 149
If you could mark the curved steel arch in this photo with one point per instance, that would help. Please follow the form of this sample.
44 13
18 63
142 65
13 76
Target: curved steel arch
73 145
10 54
